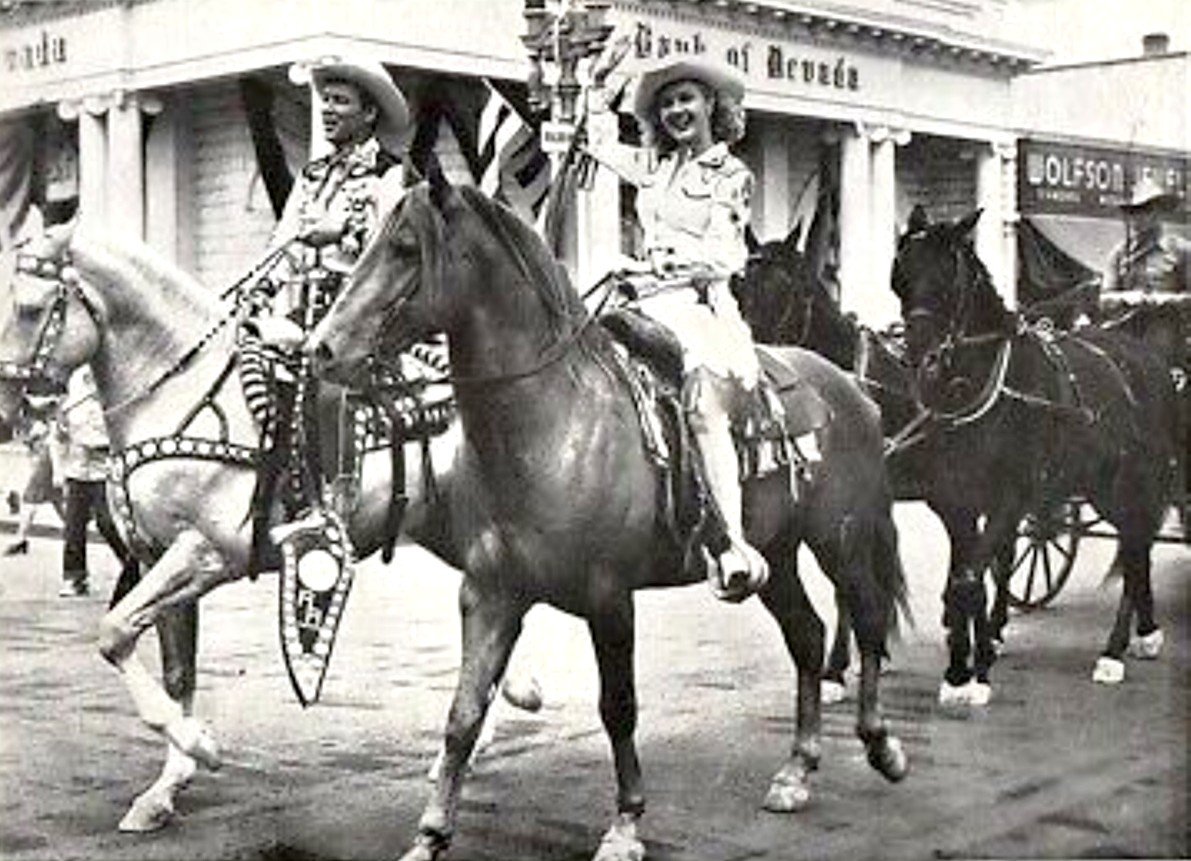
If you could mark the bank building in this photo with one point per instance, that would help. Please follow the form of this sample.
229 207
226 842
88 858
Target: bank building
180 121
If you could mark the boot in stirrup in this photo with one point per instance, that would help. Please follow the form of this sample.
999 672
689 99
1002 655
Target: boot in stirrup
738 572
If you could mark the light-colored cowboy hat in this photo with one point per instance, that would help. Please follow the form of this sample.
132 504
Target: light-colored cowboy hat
393 120
723 79
1148 194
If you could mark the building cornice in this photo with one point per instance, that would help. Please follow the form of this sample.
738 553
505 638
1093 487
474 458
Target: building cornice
838 24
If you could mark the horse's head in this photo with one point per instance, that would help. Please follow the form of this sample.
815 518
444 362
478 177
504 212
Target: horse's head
447 260
776 291
393 296
948 300
48 323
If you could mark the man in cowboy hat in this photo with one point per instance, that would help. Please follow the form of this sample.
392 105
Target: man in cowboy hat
338 200
336 203
1148 260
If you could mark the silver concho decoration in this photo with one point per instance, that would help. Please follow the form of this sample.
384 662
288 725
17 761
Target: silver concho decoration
316 575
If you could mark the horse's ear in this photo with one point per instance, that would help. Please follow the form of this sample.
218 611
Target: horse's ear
919 220
750 240
964 226
440 186
793 239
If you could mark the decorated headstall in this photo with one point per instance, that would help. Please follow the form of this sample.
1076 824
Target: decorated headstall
53 318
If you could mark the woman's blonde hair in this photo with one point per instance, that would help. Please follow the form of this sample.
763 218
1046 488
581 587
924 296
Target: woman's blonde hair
727 121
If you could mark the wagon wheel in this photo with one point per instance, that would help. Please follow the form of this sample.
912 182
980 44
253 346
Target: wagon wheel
1043 555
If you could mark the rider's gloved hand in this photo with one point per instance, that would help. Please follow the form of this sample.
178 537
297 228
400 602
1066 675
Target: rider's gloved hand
278 332
324 231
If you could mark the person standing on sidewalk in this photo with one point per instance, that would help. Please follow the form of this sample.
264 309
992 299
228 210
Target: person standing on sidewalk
84 452
42 486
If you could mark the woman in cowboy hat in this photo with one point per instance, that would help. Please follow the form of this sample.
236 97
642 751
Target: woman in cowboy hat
1148 260
693 204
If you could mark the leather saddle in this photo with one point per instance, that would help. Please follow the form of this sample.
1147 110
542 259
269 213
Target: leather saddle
652 365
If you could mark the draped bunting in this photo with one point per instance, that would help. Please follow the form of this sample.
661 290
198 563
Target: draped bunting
279 124
1050 282
16 178
1045 271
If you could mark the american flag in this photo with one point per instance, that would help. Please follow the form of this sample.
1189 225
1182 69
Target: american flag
510 166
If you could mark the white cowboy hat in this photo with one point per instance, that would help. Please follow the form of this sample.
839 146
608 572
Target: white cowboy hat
1147 194
393 119
723 79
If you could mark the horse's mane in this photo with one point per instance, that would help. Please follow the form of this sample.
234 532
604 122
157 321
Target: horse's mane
130 262
533 257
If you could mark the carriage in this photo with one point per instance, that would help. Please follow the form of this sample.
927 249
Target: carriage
1048 541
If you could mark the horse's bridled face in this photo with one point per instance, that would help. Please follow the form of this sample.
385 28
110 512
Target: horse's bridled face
38 314
375 311
923 279
26 305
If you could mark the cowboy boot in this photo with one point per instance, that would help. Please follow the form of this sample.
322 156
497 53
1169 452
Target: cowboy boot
740 570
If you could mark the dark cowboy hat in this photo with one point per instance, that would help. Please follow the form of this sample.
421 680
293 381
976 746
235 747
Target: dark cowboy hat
724 80
393 119
1148 194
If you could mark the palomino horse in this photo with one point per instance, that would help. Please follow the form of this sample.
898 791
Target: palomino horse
1029 419
555 497
157 341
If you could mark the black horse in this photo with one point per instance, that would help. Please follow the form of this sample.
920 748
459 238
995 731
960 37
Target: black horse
1025 419
786 304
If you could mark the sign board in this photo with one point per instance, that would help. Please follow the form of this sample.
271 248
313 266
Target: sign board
556 137
1070 179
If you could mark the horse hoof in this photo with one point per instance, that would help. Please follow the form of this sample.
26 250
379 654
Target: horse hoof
150 811
620 844
1109 671
889 758
832 692
425 848
195 740
1149 647
523 692
953 695
420 852
979 693
787 794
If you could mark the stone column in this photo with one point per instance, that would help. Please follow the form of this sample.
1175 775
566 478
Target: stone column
1007 151
855 273
93 159
126 166
880 305
774 183
988 234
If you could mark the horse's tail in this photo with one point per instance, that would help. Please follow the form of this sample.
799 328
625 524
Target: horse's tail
891 574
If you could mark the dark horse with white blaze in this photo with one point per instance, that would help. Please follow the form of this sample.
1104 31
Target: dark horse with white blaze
161 347
556 500
1029 419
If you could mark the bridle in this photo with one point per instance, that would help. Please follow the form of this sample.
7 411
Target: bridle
68 286
49 335
551 356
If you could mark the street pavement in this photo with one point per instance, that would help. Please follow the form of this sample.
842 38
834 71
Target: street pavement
1055 767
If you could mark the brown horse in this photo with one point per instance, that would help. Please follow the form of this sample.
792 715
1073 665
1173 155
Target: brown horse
556 500
157 341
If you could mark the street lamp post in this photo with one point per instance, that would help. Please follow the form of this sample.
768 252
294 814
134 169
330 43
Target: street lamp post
575 31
